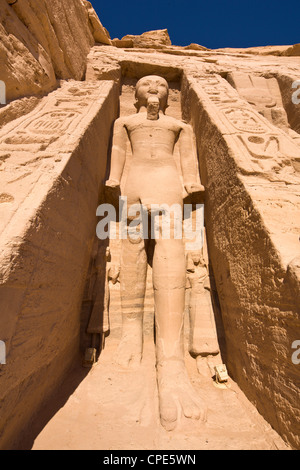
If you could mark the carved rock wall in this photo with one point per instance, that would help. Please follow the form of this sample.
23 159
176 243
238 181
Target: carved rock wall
53 164
25 66
249 169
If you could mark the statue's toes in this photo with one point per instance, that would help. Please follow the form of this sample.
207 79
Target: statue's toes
190 408
192 405
168 413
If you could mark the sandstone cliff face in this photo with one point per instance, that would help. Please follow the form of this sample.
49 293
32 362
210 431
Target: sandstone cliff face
99 33
25 66
150 39
44 41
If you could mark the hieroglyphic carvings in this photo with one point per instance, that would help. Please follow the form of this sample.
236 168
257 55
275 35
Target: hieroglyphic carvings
262 93
244 120
58 114
50 123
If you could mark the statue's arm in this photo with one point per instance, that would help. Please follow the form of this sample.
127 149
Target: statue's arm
188 160
118 153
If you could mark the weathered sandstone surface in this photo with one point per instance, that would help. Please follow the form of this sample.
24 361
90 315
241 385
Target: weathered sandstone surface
287 51
151 39
26 68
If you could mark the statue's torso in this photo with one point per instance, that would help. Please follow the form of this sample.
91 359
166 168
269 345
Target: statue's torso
152 141
153 177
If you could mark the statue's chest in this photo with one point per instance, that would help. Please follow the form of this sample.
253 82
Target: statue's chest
152 131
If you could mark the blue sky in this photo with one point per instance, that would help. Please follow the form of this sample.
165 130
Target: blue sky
210 23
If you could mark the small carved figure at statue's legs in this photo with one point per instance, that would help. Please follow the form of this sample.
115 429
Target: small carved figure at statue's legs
133 285
203 335
106 327
203 340
176 394
99 320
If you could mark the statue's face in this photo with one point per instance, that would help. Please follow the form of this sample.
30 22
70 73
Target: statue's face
197 258
152 85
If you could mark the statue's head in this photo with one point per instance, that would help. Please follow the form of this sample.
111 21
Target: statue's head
194 258
149 86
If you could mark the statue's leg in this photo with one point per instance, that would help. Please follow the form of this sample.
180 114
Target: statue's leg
176 394
133 285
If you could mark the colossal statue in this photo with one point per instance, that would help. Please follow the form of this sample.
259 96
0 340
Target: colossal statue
153 180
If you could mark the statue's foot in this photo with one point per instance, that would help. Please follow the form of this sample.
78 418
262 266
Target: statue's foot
130 350
176 395
203 367
204 347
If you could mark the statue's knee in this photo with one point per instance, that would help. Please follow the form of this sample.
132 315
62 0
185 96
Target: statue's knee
135 234
166 224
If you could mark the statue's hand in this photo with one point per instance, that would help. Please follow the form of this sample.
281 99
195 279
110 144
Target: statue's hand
112 184
192 188
112 192
195 193
114 273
